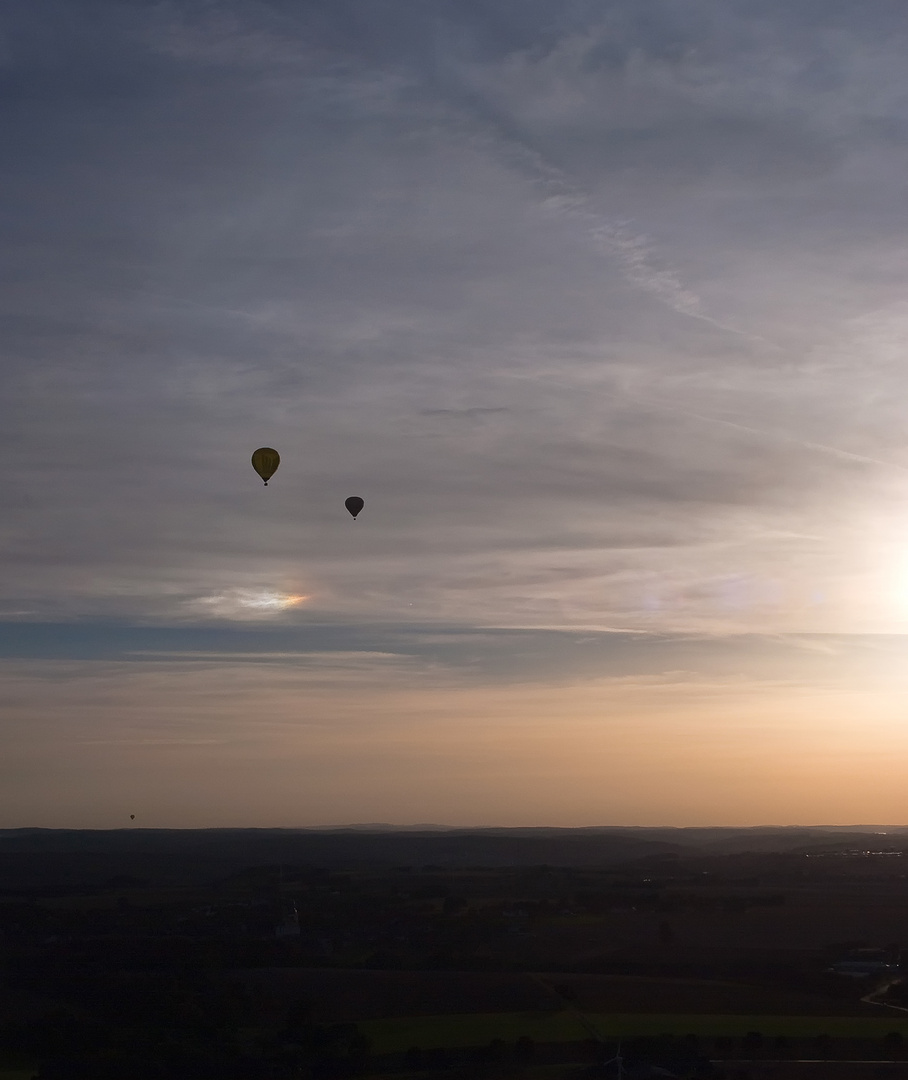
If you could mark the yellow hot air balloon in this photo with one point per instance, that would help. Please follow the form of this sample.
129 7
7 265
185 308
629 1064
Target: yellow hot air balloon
265 462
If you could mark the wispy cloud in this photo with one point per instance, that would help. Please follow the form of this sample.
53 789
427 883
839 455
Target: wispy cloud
614 236
762 433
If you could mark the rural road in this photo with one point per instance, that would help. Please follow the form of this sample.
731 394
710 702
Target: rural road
870 998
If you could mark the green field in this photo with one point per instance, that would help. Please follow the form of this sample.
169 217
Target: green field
16 1067
478 1029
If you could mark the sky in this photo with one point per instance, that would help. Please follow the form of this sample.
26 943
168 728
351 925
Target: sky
600 306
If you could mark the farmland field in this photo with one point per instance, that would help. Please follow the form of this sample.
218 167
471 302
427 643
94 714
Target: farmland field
477 1029
276 953
355 995
704 932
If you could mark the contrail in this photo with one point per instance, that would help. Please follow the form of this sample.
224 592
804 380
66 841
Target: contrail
778 436
634 250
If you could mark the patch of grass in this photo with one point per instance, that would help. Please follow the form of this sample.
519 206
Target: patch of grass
477 1029
469 1029
795 1027
528 1072
16 1067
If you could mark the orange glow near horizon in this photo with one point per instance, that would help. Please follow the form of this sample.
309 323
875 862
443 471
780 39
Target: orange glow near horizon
348 738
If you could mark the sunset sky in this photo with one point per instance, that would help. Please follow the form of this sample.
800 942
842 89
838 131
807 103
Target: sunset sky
600 305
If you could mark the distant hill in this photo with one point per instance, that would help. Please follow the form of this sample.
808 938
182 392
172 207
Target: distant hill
73 860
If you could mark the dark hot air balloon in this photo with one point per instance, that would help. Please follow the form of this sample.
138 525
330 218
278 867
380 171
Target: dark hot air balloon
265 462
132 817
354 504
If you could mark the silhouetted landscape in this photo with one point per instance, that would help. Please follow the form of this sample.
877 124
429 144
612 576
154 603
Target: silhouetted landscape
373 951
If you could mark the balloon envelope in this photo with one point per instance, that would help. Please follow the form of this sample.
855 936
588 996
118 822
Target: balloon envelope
132 817
265 462
354 504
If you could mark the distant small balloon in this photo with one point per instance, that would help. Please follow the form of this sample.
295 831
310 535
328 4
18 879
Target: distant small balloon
265 462
354 504
132 817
